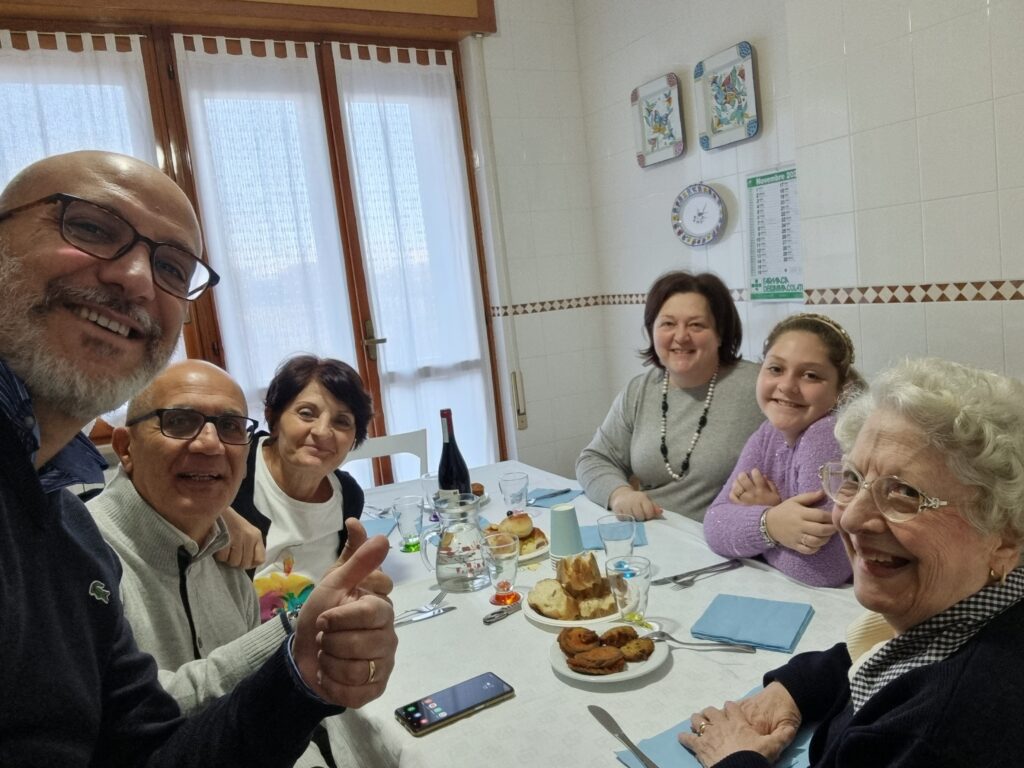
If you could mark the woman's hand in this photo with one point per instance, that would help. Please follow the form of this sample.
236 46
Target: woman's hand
754 489
799 526
764 723
245 550
635 503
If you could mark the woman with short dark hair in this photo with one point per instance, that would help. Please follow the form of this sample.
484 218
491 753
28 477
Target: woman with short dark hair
316 411
677 430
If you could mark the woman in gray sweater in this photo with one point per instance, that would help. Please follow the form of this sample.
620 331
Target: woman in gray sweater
673 434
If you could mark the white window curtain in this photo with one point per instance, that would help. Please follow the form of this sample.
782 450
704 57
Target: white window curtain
61 100
259 152
405 152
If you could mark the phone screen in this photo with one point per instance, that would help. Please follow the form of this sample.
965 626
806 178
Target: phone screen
438 709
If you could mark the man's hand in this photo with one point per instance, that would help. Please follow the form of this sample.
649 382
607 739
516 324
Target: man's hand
377 582
245 549
345 638
765 723
636 503
802 528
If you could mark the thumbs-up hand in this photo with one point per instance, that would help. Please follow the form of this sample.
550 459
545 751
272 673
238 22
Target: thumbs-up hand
378 581
345 639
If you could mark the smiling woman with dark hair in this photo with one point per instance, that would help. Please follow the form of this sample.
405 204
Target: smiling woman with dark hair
677 430
317 411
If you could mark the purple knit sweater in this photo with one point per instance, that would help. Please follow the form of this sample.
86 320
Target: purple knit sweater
733 530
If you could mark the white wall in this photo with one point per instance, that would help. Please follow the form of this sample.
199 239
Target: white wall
901 116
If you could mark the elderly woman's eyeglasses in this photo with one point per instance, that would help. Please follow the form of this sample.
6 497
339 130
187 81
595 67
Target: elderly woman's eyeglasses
186 424
894 498
100 232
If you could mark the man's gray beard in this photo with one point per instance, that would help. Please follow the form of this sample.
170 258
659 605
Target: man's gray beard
51 379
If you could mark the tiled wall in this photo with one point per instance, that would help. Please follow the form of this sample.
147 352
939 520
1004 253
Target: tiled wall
903 117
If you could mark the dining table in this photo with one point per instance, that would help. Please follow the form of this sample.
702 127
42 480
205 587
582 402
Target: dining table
546 723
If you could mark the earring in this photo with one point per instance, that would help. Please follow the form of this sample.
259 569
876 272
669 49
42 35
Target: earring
1001 578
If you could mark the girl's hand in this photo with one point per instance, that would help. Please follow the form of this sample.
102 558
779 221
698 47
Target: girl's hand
754 489
799 526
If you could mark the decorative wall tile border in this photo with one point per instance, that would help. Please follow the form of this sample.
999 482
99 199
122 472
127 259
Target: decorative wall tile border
975 290
603 300
925 293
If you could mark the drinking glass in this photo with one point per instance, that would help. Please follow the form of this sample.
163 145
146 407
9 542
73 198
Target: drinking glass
407 511
430 486
617 533
501 553
630 580
515 487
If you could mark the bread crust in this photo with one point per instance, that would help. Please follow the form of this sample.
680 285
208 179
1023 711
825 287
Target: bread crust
521 525
550 599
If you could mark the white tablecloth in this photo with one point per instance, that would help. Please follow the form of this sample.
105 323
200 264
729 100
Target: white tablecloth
547 723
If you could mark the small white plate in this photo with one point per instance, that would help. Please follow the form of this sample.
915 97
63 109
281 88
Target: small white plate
537 553
633 670
540 618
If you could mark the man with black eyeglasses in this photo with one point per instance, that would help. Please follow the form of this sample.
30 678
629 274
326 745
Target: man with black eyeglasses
183 453
99 254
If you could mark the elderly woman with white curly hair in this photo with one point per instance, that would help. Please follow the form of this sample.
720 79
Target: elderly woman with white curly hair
929 502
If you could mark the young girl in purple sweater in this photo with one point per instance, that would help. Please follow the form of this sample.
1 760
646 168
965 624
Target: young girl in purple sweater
772 505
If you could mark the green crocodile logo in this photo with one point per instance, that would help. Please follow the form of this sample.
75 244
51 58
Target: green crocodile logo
99 591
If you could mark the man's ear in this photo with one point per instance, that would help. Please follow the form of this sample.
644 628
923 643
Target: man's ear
120 441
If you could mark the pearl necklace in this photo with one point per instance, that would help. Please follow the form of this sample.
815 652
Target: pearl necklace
701 423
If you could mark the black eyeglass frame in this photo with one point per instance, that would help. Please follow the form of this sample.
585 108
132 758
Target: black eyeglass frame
924 500
250 424
65 199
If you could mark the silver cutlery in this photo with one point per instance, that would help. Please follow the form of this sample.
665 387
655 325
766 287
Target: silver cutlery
551 495
734 647
502 613
425 608
689 577
613 728
424 616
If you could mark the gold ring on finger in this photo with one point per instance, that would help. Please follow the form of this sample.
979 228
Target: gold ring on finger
700 731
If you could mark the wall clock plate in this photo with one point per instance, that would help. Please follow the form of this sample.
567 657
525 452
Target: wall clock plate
698 215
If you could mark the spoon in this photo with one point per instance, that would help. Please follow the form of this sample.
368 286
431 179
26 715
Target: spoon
734 647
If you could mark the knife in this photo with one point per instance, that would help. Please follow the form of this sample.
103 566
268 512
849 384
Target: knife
551 495
728 565
423 616
502 613
613 728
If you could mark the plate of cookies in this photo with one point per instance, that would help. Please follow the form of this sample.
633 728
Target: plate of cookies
579 596
532 541
607 653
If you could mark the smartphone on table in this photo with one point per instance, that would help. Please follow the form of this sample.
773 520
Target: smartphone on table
438 709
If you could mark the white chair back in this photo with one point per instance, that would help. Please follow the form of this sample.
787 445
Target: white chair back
414 443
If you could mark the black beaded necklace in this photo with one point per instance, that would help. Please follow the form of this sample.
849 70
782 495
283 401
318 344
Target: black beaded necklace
701 423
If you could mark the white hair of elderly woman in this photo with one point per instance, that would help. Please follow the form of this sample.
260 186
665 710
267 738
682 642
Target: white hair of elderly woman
974 417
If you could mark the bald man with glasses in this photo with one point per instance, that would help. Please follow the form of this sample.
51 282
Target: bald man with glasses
99 255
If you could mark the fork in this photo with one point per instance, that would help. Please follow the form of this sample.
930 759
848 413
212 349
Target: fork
735 647
688 581
425 608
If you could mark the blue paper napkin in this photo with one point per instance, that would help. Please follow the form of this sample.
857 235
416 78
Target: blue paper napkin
592 539
381 525
665 749
770 624
560 499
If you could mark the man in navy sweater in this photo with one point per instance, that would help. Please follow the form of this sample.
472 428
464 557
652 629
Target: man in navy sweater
98 258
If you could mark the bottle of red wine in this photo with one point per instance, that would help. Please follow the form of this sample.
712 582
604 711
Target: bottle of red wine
452 472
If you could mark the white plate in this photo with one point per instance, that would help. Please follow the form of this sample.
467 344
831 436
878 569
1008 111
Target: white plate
540 618
633 670
537 553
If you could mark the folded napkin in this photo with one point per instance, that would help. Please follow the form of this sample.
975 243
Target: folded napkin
770 624
592 539
665 749
378 525
560 499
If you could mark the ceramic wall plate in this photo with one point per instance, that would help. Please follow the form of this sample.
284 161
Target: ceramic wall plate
725 91
658 120
698 215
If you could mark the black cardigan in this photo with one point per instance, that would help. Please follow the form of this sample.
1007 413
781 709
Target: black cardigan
351 495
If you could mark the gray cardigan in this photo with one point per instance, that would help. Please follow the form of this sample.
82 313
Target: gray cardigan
628 443
222 601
